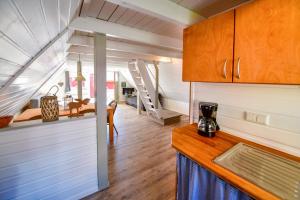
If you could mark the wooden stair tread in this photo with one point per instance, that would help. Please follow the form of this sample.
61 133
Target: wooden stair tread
165 114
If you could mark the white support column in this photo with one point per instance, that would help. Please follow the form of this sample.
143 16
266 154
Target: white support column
156 84
139 103
100 84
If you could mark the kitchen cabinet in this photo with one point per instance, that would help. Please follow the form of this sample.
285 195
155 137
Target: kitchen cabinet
266 45
208 49
267 42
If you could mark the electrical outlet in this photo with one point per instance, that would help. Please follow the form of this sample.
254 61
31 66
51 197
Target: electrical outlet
257 118
263 119
250 116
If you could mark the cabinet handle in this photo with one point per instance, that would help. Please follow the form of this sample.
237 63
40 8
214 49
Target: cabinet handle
238 69
225 69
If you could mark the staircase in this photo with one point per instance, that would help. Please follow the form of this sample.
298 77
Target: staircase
144 85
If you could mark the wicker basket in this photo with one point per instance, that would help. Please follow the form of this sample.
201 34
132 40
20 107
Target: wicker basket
49 106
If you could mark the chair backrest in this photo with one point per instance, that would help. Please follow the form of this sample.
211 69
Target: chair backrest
114 105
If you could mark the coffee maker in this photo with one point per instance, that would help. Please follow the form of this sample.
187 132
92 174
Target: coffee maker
207 125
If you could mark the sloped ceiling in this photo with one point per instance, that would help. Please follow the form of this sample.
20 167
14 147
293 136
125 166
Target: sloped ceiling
26 26
114 13
208 8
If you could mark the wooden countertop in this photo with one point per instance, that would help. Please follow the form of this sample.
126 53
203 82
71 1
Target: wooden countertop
204 150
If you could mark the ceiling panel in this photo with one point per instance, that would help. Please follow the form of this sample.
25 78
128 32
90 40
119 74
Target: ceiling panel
8 68
151 26
129 14
10 52
26 26
12 25
117 14
134 20
128 17
146 20
50 9
107 10
33 16
94 8
209 8
197 4
65 12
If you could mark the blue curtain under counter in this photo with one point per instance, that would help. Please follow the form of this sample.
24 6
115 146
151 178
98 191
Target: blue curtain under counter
197 183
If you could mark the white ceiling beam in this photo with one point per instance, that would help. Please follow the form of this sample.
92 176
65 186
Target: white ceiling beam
82 50
90 58
81 40
163 9
87 41
88 51
89 24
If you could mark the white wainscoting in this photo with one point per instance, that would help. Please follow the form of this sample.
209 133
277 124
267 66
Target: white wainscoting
281 103
177 106
49 161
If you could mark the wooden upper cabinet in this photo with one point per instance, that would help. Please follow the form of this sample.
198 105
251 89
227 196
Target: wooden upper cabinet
208 50
267 42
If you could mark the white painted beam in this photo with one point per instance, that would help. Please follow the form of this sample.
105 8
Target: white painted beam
81 40
87 41
164 9
90 59
120 31
83 50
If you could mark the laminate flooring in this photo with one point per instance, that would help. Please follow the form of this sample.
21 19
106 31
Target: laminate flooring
142 163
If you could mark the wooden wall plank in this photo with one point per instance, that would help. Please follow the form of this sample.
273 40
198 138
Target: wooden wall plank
133 21
107 11
147 19
12 25
10 52
49 160
129 14
33 16
95 8
117 14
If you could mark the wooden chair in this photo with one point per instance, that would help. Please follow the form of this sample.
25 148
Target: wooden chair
114 105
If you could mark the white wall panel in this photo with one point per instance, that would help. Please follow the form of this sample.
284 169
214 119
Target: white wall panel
34 18
8 68
281 103
107 10
26 26
51 14
64 7
49 161
10 52
12 25
170 81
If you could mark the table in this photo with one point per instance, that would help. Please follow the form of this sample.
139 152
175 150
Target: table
35 113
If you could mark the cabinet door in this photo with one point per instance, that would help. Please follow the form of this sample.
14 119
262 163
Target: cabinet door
208 50
267 42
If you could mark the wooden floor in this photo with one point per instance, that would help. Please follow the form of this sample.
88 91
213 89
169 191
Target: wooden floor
142 162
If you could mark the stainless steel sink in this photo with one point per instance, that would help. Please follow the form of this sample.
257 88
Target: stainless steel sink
273 173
